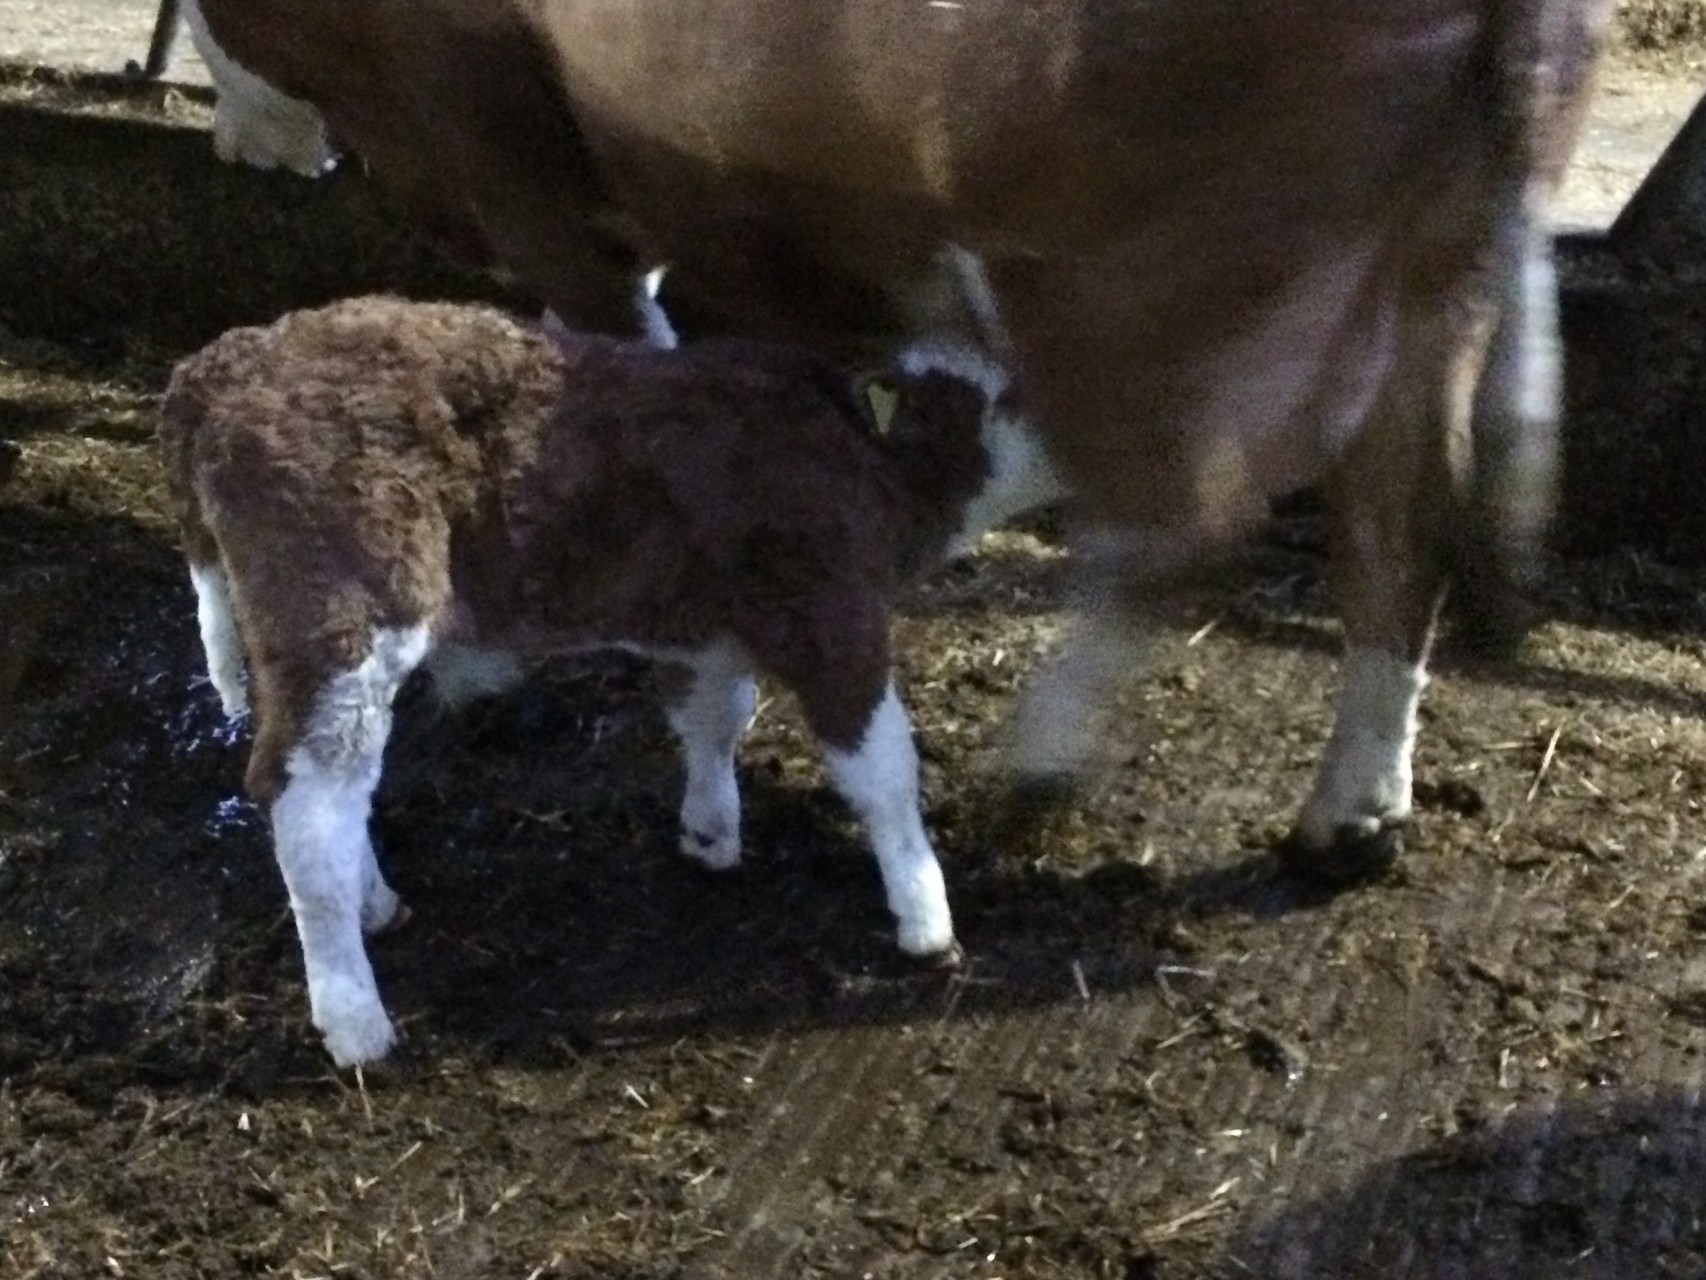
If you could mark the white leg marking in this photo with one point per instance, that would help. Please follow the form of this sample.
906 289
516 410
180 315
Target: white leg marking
320 835
710 721
1363 782
219 637
1062 708
879 781
1542 348
320 832
654 320
461 674
252 121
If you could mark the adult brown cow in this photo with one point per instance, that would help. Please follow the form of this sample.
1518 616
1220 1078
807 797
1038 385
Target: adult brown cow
1226 248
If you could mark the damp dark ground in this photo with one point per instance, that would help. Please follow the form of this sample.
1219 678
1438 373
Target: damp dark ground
1163 1060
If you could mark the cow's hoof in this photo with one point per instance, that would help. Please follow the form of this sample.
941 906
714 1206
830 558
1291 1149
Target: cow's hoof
1353 856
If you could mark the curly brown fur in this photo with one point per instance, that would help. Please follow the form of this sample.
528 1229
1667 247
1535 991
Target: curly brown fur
380 463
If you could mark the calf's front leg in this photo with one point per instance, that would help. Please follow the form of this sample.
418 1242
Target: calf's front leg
878 777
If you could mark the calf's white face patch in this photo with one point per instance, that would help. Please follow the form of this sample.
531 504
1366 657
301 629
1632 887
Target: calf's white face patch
1022 477
253 123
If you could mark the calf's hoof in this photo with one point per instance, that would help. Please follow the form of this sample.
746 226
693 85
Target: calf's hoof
361 1043
355 1027
929 936
1354 855
930 953
712 850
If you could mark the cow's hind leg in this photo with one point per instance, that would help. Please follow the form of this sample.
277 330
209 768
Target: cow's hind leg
1516 440
330 766
1391 505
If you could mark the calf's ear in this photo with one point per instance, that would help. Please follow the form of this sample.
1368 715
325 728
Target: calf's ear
875 393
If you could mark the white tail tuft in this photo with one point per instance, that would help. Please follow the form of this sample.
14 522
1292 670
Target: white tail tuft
219 636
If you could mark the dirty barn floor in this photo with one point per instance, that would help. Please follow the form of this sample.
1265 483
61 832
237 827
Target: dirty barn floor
1164 1059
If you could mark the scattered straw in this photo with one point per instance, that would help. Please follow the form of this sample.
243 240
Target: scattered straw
361 1088
1217 1205
1202 632
1078 977
1545 763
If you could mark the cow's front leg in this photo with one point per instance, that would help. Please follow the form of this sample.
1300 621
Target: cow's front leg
1391 506
1361 795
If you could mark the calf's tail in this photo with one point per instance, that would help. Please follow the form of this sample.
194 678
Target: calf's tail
219 635
182 415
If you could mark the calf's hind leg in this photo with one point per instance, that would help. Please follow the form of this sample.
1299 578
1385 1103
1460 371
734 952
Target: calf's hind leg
710 712
328 754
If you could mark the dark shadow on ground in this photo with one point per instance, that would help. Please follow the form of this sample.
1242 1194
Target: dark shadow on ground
534 840
142 920
1601 1186
1303 636
533 836
126 235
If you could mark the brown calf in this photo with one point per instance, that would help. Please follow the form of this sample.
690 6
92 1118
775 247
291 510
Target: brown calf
378 483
